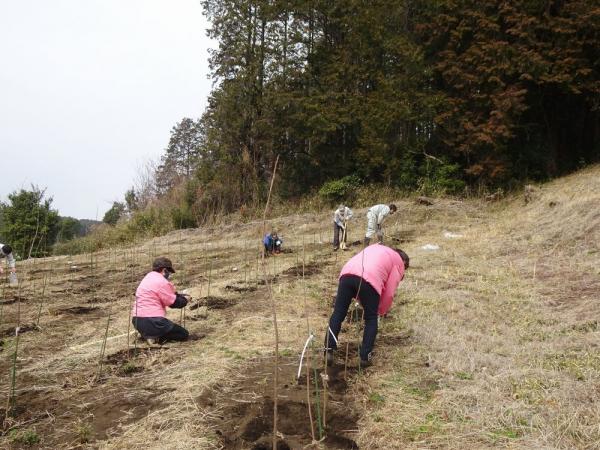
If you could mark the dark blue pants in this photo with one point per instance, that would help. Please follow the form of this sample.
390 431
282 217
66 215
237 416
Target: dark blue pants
348 288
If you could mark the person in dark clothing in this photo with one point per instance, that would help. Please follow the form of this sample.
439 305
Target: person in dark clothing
272 243
154 294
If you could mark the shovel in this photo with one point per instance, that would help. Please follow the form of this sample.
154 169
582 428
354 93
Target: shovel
343 242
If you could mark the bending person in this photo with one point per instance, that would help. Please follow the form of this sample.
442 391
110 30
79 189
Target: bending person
375 217
152 297
371 277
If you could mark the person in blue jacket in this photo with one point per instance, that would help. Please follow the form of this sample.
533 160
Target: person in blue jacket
272 243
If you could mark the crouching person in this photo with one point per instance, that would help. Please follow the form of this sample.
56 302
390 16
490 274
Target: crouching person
152 297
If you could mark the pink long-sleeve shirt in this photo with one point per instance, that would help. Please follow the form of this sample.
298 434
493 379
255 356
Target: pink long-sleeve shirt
153 295
382 268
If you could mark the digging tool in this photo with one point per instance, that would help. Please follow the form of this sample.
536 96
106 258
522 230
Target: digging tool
343 245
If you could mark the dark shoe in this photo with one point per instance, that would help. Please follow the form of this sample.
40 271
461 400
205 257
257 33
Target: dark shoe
364 363
367 241
367 362
329 359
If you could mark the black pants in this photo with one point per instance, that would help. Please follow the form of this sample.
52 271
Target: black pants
269 249
369 298
159 328
177 333
336 235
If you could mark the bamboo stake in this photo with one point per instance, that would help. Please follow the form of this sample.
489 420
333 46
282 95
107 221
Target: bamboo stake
245 263
317 399
209 277
310 417
37 321
12 399
308 402
103 347
2 304
274 310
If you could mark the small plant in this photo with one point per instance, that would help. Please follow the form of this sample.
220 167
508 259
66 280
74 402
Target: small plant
84 432
464 375
27 437
129 368
286 352
505 433
376 398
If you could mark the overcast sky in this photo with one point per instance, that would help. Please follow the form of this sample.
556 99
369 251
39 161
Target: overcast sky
90 89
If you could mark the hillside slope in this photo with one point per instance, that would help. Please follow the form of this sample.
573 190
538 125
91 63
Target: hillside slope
492 340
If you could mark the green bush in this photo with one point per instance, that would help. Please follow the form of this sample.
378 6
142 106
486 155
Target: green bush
441 178
343 189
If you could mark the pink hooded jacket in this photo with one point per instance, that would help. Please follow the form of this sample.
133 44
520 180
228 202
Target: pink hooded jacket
153 295
382 268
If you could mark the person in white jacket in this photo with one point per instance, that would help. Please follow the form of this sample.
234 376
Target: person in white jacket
340 224
7 252
375 217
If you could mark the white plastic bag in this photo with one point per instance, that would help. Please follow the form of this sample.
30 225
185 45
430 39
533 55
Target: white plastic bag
450 235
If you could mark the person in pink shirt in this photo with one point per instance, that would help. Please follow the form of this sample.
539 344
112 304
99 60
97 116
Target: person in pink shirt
154 294
372 277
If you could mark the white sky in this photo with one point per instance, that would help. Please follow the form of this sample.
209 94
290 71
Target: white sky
90 89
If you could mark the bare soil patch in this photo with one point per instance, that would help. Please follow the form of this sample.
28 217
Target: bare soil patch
248 288
213 302
15 299
25 328
309 269
247 409
74 310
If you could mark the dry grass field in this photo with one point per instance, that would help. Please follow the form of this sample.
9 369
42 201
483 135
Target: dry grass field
492 341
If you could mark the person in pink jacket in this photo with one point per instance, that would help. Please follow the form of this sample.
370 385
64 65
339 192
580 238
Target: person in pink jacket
152 297
372 277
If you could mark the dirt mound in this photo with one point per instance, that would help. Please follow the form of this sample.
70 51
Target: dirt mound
10 331
306 270
213 302
15 299
231 287
75 310
247 409
128 362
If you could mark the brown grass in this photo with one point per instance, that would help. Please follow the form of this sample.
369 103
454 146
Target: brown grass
492 341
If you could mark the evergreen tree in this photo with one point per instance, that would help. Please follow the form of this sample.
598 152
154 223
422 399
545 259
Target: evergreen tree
115 212
29 223
181 155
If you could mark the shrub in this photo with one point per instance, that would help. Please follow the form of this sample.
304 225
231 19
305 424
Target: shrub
441 178
343 189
